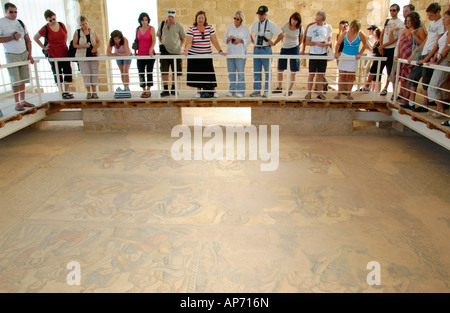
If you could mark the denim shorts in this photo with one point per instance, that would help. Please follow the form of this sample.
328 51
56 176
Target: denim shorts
123 62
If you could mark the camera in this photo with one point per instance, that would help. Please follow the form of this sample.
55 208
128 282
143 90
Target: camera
260 40
233 40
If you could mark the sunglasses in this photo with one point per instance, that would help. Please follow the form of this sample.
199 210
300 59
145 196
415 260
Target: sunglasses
52 19
237 19
171 12
11 12
393 10
203 35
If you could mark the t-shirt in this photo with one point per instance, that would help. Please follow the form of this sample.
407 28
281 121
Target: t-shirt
7 28
171 37
319 34
145 42
57 44
442 41
201 41
291 37
435 28
271 29
397 23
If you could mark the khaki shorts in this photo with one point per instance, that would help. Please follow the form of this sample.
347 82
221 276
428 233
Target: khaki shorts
19 75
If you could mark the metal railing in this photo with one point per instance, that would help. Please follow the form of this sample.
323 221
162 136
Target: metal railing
399 89
42 81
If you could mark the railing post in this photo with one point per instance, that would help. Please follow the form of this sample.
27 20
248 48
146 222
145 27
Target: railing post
397 71
38 85
288 76
378 77
158 82
175 76
269 91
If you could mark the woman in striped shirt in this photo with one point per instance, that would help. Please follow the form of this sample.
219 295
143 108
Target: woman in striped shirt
200 72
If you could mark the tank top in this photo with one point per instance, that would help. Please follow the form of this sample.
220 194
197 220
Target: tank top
145 42
351 48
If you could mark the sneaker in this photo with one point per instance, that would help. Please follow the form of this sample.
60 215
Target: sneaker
365 89
266 94
278 90
89 96
165 93
383 92
420 109
230 94
198 95
94 95
255 94
216 95
290 93
119 89
127 88
407 106
240 95
172 92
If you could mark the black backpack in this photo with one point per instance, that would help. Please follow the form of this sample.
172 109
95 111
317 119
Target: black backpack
72 49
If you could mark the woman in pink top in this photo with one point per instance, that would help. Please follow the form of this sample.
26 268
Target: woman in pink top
146 42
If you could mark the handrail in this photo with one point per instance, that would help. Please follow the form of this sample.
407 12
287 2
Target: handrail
435 67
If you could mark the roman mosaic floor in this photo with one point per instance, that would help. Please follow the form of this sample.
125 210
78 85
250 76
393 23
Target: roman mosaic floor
136 220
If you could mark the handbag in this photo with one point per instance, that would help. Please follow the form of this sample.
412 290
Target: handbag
135 45
162 48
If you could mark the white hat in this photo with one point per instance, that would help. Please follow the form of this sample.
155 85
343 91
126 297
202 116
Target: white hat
171 12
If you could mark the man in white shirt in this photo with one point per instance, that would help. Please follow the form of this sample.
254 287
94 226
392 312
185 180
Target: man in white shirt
17 45
318 37
387 47
264 31
427 49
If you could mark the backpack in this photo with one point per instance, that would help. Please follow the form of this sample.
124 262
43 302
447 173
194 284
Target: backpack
72 49
46 41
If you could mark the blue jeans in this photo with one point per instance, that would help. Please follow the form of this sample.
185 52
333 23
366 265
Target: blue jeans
236 66
258 65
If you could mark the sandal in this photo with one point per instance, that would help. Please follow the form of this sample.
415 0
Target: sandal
384 92
321 97
20 108
145 95
308 96
350 98
67 95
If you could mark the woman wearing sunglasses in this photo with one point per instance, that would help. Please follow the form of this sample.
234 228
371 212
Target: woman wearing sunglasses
55 46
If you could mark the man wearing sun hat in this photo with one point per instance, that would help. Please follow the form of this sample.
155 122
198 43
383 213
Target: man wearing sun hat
264 31
171 36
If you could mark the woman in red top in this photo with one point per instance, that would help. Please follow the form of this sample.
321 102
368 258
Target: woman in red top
55 34
146 42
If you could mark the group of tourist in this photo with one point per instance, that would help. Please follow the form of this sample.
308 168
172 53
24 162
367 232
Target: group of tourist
397 39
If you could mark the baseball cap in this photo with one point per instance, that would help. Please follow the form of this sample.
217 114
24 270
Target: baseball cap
262 10
171 12
372 27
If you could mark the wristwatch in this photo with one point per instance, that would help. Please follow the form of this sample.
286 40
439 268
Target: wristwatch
14 35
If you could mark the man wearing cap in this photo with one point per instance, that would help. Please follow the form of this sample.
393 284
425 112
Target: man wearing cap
17 44
264 31
171 36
